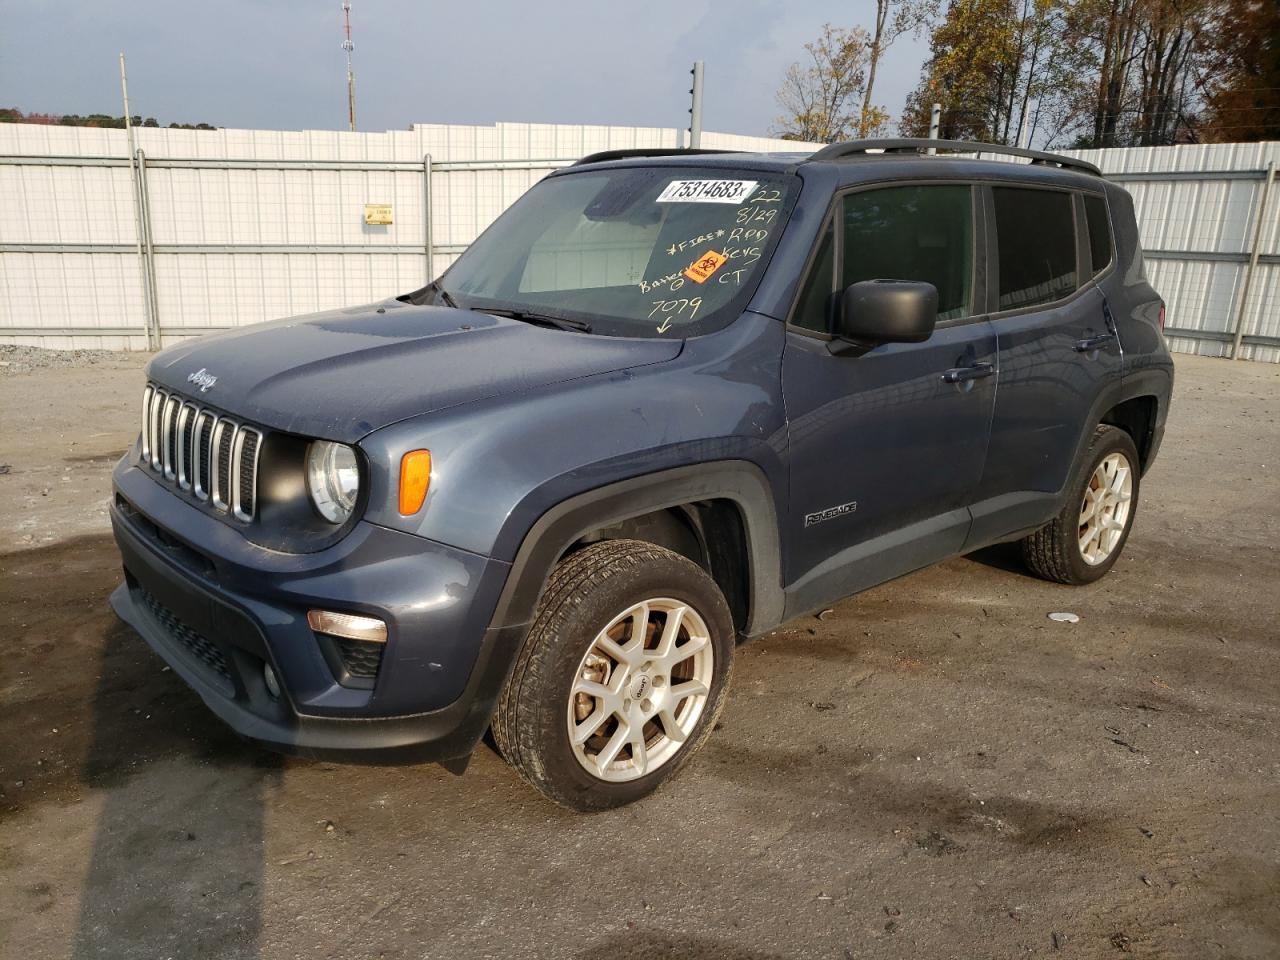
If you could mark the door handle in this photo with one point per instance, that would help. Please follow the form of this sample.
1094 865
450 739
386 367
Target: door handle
975 372
1093 343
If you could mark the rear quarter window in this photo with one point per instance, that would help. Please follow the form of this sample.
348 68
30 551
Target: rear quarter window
1095 212
1036 241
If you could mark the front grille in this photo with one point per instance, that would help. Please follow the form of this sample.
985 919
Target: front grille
198 449
247 474
169 425
205 652
360 657
185 430
201 438
223 437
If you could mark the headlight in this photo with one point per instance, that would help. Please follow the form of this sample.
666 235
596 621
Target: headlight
333 479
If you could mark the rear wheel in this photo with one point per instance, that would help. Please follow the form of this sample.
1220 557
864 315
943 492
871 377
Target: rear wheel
621 677
1084 541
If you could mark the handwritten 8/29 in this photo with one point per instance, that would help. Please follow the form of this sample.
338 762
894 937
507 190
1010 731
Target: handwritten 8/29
754 214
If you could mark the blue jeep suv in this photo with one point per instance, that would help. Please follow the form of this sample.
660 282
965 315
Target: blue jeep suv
666 401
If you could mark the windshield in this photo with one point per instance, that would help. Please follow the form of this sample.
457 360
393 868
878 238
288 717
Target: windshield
638 251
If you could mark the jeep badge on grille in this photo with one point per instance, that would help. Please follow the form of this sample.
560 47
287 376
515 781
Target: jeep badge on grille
203 379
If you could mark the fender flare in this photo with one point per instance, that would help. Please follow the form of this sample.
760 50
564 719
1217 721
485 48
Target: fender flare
738 481
1142 383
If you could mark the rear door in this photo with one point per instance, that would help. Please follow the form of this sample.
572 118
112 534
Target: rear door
886 448
1058 351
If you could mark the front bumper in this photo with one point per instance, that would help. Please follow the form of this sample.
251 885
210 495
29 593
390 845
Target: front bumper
218 608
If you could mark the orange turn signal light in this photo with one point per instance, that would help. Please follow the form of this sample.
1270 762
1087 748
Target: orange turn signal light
415 477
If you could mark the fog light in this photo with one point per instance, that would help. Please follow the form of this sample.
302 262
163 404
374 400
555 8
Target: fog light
272 682
348 625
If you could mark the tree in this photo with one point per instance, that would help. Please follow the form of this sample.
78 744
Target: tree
14 115
1148 54
907 15
970 56
820 97
1116 45
995 62
1092 73
1172 32
1243 90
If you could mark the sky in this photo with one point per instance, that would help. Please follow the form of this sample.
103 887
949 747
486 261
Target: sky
278 64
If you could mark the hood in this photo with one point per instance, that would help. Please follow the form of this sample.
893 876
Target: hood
343 374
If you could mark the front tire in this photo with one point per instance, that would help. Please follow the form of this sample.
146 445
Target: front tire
621 677
1084 541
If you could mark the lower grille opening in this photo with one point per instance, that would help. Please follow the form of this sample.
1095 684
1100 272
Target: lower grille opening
204 651
354 663
189 559
361 657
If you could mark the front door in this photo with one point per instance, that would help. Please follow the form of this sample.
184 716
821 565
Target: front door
886 448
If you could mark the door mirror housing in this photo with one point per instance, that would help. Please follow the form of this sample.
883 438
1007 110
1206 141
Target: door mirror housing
887 311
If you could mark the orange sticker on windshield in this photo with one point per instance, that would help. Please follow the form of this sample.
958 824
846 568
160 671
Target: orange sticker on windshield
700 270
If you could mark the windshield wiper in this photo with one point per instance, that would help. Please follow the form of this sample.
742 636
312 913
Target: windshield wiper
541 319
444 295
441 295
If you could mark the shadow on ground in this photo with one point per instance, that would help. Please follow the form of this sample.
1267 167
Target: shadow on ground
165 877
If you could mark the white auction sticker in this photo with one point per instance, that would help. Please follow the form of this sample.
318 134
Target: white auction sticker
707 191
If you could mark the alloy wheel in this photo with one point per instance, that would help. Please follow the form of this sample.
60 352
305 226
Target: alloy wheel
1105 510
640 689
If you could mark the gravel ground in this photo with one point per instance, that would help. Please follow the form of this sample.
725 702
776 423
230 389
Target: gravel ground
15 360
934 769
66 417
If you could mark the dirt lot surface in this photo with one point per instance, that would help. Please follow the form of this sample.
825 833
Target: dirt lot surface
934 769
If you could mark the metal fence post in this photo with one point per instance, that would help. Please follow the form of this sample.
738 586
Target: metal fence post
428 248
149 255
1252 266
143 273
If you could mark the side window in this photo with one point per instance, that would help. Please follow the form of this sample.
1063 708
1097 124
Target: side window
913 233
1036 239
813 312
1095 212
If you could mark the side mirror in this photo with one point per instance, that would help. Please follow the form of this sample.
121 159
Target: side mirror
887 311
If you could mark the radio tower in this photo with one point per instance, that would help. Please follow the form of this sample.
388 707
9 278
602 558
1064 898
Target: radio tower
348 46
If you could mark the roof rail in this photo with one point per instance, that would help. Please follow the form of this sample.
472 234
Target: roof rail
854 148
644 152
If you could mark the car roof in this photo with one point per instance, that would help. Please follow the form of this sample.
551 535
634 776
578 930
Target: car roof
729 160
863 163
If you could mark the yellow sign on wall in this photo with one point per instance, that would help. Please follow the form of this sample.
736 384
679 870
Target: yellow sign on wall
378 214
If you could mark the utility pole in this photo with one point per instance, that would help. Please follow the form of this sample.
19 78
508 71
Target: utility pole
140 227
348 46
695 111
1024 130
935 122
124 92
